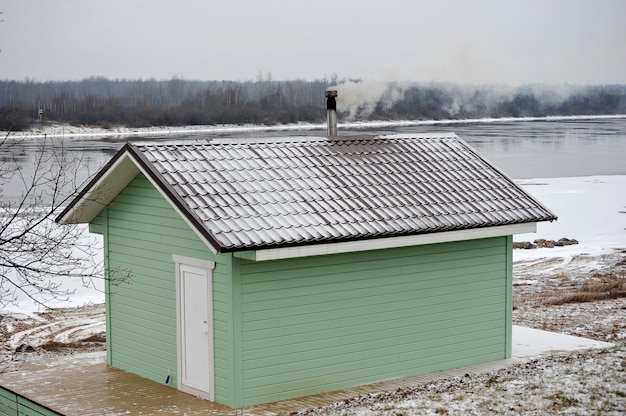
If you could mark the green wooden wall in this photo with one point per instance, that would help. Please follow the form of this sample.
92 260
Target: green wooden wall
288 328
142 232
330 322
12 404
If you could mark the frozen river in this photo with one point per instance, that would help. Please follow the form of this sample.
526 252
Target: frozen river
521 148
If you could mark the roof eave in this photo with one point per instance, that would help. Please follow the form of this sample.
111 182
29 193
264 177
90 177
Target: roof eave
100 191
280 253
113 178
551 215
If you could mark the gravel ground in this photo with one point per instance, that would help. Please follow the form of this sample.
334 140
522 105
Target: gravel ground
580 383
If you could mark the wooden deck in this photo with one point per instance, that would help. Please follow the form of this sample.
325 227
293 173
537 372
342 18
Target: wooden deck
84 385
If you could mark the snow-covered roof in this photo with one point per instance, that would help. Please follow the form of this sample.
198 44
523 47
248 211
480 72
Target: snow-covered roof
270 193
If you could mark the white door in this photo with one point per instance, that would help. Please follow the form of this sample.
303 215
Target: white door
195 329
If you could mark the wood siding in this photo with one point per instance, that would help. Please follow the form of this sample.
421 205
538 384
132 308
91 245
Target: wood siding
289 328
142 232
12 404
330 322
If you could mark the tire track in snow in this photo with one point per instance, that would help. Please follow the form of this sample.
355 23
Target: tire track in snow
22 337
64 326
80 332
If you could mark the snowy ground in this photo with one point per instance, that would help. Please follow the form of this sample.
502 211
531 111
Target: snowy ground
55 130
578 290
59 130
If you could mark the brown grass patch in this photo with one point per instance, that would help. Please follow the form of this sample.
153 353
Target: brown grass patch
55 346
95 338
52 346
604 286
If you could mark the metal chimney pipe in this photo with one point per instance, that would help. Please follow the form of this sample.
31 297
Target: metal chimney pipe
331 111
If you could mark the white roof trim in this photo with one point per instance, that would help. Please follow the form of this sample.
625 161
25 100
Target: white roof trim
393 242
101 193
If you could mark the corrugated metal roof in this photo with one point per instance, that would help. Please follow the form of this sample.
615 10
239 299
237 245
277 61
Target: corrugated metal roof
286 192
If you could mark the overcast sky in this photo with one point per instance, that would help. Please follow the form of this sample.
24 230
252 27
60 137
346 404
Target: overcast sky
475 41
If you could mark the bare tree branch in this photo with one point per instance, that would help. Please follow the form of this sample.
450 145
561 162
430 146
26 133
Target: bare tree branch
36 254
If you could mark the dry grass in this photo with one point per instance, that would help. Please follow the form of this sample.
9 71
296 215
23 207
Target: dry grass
603 286
55 346
95 338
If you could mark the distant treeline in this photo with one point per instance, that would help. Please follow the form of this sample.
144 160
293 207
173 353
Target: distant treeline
99 101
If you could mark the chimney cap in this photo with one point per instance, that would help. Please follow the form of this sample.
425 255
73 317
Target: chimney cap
331 93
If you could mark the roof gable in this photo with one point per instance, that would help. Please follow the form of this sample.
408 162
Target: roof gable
270 193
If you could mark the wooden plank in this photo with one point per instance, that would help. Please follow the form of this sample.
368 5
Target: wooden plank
84 385
8 403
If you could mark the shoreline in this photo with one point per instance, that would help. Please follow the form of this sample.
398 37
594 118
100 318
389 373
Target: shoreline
55 130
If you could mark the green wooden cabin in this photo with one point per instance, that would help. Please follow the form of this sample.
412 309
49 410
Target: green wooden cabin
276 268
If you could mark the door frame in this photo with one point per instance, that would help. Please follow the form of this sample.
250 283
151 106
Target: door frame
207 267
